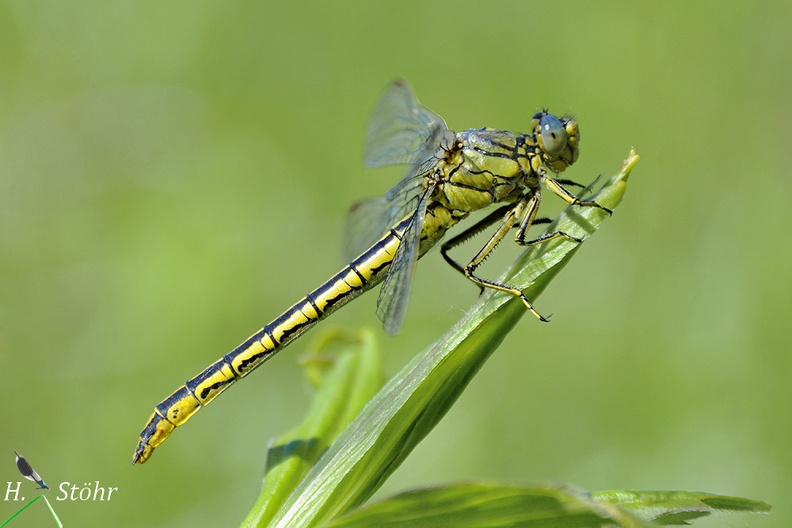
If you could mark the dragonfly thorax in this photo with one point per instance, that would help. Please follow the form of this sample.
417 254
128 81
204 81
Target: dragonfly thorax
490 166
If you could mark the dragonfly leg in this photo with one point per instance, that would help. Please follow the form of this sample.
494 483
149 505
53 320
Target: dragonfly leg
529 219
569 182
523 208
469 233
558 189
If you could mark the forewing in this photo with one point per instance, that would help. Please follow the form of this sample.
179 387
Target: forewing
24 467
395 292
401 130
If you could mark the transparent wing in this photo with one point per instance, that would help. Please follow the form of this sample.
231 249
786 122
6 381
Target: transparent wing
369 219
395 292
401 131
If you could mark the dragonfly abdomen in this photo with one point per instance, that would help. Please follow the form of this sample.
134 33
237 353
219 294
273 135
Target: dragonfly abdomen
357 277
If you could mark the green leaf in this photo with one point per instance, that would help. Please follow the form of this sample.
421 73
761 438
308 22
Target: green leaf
415 400
20 510
476 505
344 387
677 507
488 504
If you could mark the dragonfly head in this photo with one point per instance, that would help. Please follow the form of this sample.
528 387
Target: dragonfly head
558 139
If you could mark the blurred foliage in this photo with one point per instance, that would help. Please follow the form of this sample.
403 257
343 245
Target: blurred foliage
173 175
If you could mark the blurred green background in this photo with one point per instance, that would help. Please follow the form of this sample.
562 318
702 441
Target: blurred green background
173 175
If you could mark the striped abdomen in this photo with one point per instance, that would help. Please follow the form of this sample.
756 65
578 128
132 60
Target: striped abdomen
359 276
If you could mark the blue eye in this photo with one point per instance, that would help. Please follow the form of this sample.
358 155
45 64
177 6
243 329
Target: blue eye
554 136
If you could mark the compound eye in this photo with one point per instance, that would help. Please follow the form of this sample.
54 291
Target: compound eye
554 136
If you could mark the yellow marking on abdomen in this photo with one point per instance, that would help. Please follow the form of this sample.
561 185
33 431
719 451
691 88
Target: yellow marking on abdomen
359 276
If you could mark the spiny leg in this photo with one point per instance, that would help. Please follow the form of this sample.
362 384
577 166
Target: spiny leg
469 233
529 219
547 237
561 192
506 224
482 224
570 182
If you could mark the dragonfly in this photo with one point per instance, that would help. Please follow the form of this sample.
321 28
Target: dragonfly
28 472
449 176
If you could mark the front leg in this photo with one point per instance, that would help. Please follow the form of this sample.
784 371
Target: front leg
529 219
522 209
559 190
